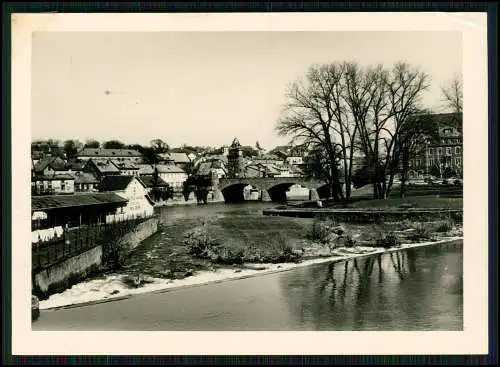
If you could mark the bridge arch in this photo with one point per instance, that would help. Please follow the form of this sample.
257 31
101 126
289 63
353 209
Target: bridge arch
271 188
234 192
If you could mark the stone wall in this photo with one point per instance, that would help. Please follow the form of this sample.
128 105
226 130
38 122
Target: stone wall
69 271
66 273
138 234
370 216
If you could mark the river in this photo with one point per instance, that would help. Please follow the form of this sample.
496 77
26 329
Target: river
417 289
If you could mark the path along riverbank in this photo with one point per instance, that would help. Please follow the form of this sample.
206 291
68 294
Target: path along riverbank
112 287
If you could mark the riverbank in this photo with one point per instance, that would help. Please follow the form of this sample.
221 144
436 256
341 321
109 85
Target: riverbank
113 286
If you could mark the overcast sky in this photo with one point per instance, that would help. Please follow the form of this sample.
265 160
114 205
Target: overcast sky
201 88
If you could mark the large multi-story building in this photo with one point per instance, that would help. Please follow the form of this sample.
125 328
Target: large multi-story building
117 155
441 157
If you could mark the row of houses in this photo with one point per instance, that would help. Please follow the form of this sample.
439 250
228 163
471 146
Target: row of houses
231 163
135 195
54 175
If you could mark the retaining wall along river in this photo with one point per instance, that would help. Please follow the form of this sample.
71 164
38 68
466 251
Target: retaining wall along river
59 264
369 215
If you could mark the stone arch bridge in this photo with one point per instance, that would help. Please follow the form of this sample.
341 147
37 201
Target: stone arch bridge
270 188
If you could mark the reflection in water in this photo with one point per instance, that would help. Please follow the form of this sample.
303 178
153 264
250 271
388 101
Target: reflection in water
417 289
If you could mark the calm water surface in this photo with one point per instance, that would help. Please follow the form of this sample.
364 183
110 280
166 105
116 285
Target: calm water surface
419 289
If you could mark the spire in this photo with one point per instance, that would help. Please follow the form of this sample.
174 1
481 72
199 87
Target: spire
235 143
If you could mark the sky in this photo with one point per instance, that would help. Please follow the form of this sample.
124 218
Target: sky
202 88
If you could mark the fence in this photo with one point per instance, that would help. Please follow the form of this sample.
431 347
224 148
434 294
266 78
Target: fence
73 242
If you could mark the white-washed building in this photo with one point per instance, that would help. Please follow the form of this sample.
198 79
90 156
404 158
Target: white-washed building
139 204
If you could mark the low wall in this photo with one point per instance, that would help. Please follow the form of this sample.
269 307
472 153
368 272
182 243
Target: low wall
58 265
139 233
369 216
67 272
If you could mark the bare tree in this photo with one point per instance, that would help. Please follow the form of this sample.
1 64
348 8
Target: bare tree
453 94
344 108
405 88
309 117
364 96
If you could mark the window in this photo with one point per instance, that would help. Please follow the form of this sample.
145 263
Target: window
431 161
63 185
440 151
457 150
418 163
431 150
448 151
458 161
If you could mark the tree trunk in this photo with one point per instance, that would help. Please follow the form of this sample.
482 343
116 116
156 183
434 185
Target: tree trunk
338 194
375 190
404 171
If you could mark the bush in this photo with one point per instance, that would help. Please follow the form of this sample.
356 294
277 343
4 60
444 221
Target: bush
135 280
422 232
349 241
277 249
389 240
201 240
444 225
457 182
457 217
406 224
227 255
322 230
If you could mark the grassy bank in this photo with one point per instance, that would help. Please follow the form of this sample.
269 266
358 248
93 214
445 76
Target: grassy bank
243 243
237 240
189 245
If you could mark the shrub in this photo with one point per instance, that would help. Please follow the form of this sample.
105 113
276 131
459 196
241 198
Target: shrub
457 182
406 224
444 225
321 230
349 241
458 217
389 240
201 240
277 249
227 255
135 280
422 232
252 254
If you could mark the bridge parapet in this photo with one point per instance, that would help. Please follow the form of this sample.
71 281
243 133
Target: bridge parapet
268 182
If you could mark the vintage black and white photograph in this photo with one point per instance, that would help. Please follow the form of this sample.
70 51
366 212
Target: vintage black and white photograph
265 180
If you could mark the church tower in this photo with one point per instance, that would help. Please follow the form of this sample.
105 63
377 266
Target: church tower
234 160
